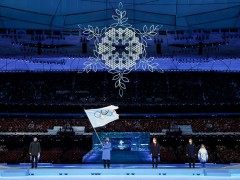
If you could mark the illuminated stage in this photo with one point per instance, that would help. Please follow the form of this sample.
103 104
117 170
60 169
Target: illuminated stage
119 171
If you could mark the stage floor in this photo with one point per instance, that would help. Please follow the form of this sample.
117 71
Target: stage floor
119 171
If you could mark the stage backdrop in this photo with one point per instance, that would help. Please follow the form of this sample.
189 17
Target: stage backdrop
127 147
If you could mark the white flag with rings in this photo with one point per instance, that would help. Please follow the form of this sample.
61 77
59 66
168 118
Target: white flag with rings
102 116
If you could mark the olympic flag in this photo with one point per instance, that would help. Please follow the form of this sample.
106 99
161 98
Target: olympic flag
102 116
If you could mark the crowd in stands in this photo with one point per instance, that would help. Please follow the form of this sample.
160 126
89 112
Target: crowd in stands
154 125
71 149
165 89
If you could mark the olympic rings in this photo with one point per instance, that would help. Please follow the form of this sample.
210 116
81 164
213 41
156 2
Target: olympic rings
104 112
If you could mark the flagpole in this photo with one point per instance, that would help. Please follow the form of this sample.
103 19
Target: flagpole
97 136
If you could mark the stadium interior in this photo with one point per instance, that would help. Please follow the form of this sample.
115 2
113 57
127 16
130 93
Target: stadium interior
44 86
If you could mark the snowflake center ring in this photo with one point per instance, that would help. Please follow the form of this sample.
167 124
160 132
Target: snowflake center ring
120 48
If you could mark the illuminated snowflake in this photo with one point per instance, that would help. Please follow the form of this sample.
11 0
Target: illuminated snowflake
120 48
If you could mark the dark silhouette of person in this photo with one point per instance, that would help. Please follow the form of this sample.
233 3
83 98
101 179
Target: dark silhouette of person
34 152
191 153
155 152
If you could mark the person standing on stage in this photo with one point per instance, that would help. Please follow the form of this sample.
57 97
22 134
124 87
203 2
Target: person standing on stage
106 154
190 153
203 155
155 152
34 152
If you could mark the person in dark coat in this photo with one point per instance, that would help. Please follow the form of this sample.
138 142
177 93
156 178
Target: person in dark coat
106 153
191 153
155 152
34 152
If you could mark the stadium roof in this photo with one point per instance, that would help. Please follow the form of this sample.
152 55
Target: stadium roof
68 14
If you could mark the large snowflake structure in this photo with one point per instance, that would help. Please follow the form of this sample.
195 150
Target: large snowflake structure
120 48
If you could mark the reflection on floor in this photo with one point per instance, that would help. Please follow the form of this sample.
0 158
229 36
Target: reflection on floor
119 171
